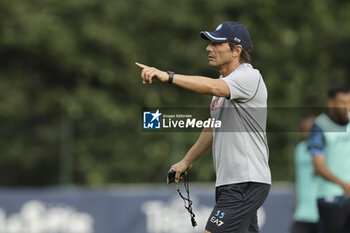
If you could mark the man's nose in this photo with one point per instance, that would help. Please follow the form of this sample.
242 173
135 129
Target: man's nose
209 48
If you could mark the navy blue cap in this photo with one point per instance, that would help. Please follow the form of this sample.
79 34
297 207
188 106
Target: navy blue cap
229 32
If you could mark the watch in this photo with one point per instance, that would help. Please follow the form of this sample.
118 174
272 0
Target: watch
171 76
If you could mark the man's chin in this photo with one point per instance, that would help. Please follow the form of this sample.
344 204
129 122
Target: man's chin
344 121
212 63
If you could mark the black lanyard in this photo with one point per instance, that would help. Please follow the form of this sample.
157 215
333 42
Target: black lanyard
187 200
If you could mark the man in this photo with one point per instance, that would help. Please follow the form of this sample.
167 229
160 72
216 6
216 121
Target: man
240 153
329 143
306 213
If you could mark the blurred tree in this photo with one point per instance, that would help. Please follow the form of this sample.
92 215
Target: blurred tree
74 60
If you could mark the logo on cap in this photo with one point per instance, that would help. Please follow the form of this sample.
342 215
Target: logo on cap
237 40
219 27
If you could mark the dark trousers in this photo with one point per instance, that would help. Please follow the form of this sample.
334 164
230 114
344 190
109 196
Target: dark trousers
236 208
304 227
334 214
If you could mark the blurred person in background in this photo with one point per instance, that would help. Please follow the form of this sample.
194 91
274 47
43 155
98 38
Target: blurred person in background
241 153
305 214
329 144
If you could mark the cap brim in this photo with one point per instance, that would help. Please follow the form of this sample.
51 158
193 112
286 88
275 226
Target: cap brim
212 36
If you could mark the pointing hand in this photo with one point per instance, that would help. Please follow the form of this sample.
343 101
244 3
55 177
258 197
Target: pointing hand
150 74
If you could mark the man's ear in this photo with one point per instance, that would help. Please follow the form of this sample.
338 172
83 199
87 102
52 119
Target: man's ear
236 52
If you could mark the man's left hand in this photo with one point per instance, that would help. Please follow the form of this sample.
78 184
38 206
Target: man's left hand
346 188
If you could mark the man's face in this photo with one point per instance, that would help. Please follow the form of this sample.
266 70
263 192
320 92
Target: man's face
340 105
220 54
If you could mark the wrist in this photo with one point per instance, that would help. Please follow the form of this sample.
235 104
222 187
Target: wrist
171 76
188 162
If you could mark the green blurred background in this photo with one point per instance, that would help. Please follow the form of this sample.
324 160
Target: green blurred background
71 96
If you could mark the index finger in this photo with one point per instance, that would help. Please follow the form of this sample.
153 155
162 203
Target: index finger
141 65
